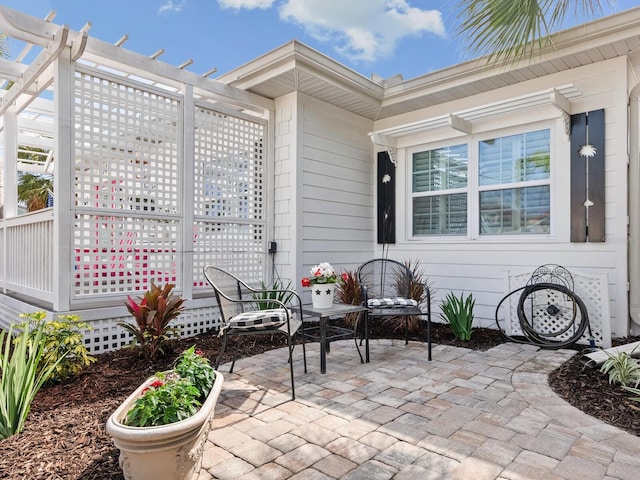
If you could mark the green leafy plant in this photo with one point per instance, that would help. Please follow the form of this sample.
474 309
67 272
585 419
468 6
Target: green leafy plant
622 368
194 367
152 314
21 378
276 292
458 313
34 190
63 344
175 395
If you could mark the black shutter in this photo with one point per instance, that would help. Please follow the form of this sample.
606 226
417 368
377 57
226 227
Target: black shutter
386 186
587 177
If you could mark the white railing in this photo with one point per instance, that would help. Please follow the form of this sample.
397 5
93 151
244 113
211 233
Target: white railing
26 251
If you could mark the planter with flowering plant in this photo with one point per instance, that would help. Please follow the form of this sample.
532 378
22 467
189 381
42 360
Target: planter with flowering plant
322 282
161 428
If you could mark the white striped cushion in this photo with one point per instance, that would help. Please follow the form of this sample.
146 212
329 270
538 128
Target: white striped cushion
396 302
259 319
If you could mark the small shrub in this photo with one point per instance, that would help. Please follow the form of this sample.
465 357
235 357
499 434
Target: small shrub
20 377
349 292
417 292
194 367
621 368
153 313
276 292
63 344
458 313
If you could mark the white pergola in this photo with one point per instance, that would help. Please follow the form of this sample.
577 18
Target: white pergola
157 172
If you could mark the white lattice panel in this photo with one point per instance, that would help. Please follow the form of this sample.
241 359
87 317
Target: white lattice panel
593 290
127 145
123 254
238 248
229 166
105 335
229 228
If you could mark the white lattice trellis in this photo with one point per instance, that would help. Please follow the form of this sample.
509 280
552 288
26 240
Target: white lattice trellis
229 195
593 290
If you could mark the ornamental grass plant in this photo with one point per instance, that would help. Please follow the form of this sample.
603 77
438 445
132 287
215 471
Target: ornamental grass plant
458 313
21 376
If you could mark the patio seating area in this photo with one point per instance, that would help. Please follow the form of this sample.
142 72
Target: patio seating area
466 414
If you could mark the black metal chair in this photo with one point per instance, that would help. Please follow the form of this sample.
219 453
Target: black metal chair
387 292
246 310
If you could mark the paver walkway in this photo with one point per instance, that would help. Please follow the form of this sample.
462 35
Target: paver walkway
465 415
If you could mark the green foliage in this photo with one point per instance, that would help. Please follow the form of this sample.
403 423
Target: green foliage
174 395
63 344
458 313
166 400
194 367
510 30
635 391
349 292
33 190
152 314
21 378
276 292
621 368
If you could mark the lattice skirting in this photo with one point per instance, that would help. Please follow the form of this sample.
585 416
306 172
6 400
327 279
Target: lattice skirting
105 335
593 290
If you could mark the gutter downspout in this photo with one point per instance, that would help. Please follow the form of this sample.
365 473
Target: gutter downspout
634 208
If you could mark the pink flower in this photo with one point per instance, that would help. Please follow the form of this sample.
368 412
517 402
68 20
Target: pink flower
200 353
345 277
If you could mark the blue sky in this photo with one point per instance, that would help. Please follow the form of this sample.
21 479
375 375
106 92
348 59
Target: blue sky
386 37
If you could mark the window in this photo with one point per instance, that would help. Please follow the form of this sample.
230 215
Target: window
440 191
510 193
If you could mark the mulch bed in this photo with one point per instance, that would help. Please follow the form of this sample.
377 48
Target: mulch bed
65 435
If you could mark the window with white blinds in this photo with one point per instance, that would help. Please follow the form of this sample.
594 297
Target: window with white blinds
440 179
509 192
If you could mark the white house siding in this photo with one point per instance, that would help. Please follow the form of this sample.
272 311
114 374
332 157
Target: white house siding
336 187
284 195
482 264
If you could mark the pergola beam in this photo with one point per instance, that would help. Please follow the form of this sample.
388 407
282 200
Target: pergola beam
33 71
27 28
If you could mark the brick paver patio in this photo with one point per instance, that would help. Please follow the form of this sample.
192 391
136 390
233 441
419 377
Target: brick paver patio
465 415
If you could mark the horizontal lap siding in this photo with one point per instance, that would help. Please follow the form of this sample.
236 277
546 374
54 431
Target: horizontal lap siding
336 187
482 266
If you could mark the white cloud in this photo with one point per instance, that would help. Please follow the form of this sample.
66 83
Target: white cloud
247 4
364 30
170 6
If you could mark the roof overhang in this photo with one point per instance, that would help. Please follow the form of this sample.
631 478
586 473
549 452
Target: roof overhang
294 67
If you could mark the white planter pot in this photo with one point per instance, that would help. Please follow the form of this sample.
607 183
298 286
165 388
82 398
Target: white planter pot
166 452
322 295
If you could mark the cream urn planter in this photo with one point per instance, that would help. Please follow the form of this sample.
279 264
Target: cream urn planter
165 452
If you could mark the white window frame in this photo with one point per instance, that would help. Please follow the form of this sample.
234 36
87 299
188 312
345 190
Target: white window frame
473 188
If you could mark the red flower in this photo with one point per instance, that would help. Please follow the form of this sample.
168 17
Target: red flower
200 353
345 277
157 383
306 282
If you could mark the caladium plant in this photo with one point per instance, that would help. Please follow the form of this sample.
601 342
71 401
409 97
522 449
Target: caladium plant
152 314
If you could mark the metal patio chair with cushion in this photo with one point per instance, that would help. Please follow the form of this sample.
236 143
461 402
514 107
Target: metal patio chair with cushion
246 310
387 287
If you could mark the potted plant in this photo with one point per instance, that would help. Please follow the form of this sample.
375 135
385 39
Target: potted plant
322 282
162 426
